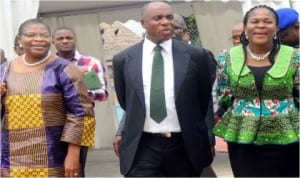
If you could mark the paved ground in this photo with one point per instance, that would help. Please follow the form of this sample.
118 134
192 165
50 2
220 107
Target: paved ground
103 163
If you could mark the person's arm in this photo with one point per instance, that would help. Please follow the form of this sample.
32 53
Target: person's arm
210 111
118 136
210 124
296 87
119 79
223 91
121 125
79 127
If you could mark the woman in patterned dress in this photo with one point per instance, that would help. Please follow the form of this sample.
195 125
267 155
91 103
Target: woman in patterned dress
48 114
258 83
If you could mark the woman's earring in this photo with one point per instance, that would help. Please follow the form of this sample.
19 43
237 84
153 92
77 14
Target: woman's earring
246 36
275 37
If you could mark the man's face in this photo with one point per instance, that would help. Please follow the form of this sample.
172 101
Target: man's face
235 37
179 30
290 36
236 34
64 41
158 22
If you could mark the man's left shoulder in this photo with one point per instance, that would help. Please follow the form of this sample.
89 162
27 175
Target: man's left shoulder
91 58
194 47
197 50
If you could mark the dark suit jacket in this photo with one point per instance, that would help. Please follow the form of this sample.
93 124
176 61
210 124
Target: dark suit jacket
192 93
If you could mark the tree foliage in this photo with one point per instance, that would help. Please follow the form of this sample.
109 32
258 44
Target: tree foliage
192 28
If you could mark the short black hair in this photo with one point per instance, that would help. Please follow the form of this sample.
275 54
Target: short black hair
32 21
64 28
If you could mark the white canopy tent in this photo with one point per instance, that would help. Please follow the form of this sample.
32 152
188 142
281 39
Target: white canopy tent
13 13
247 4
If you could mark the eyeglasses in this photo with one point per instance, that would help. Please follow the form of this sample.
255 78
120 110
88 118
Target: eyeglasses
35 35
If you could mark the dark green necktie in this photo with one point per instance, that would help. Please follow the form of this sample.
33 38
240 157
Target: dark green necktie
157 92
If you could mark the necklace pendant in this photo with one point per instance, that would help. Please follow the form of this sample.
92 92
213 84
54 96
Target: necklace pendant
257 58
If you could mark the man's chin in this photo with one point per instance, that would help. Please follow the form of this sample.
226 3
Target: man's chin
66 50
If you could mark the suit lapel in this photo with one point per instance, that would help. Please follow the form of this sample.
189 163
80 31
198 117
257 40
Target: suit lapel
180 62
135 70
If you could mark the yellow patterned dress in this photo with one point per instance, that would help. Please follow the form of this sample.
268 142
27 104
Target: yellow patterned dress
43 112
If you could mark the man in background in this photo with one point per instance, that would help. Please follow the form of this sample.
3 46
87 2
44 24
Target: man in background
289 29
236 33
288 26
180 28
64 40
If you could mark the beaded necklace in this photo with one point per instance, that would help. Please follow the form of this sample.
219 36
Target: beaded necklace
258 58
36 63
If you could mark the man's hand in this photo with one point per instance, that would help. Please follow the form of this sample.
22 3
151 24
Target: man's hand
116 144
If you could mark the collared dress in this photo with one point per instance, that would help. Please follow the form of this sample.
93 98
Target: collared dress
44 111
268 116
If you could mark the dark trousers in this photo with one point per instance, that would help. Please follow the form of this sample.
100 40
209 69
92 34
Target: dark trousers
161 157
249 160
83 156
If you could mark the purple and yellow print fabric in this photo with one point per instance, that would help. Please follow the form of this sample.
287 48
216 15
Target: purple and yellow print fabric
44 111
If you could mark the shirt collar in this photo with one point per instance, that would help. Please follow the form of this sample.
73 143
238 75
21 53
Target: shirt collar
76 56
166 45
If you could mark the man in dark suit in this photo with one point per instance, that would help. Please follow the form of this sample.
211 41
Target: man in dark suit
172 141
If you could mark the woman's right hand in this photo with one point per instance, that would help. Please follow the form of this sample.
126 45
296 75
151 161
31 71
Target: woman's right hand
217 119
2 88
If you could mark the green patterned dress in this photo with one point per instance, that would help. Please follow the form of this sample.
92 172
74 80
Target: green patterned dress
267 117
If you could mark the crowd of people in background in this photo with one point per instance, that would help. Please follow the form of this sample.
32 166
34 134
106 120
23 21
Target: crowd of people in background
167 88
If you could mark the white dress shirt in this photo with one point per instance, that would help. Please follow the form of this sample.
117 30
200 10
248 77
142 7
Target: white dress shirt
170 123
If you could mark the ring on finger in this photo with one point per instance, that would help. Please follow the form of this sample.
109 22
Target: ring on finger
76 174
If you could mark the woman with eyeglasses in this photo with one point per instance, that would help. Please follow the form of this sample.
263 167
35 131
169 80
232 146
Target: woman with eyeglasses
48 115
258 84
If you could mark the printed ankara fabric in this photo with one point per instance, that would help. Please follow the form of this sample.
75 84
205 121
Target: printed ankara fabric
44 111
272 120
